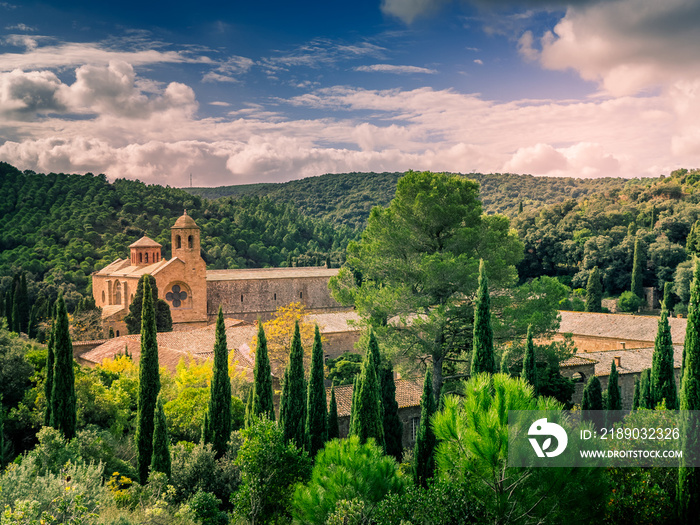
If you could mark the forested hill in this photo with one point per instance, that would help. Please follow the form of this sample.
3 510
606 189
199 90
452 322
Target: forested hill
569 239
347 198
60 228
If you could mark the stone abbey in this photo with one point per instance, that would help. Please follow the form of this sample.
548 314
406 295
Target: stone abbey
194 293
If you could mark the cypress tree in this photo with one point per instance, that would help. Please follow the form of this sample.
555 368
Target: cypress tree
293 401
164 320
160 461
316 414
592 401
688 477
48 385
645 400
205 435
149 384
636 396
262 404
529 373
668 303
368 421
63 400
505 361
220 394
333 428
15 315
248 409
8 308
33 328
483 359
638 269
613 399
663 380
424 449
373 346
520 207
353 399
23 304
393 428
2 435
692 242
594 291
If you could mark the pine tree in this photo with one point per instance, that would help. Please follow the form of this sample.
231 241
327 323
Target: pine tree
63 400
219 430
149 384
663 380
293 402
638 269
424 449
316 416
393 428
48 385
262 404
688 494
333 428
592 401
529 373
483 359
368 421
594 291
160 460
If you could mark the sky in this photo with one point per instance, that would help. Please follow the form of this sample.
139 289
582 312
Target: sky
271 91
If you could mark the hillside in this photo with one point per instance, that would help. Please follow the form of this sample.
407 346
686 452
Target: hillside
347 198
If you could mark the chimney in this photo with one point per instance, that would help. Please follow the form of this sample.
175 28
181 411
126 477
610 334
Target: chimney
617 361
622 345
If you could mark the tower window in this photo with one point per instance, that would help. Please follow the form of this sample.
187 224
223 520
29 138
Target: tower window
190 242
146 257
140 257
301 295
241 297
275 297
178 242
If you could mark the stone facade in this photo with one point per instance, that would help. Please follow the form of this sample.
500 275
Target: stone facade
195 294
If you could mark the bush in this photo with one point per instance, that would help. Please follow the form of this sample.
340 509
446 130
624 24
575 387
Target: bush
629 302
204 506
346 470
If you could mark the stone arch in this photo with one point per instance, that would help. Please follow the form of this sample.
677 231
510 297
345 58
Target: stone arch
578 377
178 242
117 293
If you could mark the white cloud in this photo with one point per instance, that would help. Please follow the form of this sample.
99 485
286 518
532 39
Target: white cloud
229 70
479 61
20 27
22 95
320 52
389 68
408 10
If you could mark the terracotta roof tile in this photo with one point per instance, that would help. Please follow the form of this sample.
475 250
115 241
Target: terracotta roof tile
631 361
145 242
408 394
620 326
267 273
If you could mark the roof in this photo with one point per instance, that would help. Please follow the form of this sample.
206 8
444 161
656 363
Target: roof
185 221
408 394
271 273
577 360
173 346
145 242
631 361
127 270
333 322
619 326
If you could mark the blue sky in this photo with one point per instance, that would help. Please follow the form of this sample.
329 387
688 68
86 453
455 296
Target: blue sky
271 91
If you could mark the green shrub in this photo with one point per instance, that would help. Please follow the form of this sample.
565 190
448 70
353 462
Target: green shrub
628 302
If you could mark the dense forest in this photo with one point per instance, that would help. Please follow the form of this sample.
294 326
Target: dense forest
60 228
347 198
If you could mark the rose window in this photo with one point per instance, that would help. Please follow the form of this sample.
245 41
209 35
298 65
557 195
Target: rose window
176 296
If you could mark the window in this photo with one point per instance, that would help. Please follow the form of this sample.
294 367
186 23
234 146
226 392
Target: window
301 295
146 257
275 297
190 242
103 296
176 296
578 377
178 242
117 333
140 257
241 297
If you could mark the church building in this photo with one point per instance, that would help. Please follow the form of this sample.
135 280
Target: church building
195 293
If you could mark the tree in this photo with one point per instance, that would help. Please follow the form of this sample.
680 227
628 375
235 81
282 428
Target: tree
473 434
160 460
663 380
219 414
424 449
668 301
367 422
638 268
529 373
483 359
613 399
689 477
262 404
592 401
594 292
637 395
346 470
293 401
48 385
418 261
333 429
629 302
164 320
149 384
393 428
63 400
645 397
316 413
2 435
692 243
21 299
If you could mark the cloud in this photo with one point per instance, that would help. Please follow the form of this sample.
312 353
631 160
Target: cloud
22 95
479 61
626 45
581 160
20 27
229 70
219 103
388 68
320 52
408 10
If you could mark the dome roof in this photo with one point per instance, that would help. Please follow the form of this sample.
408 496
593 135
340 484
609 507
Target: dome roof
145 242
185 221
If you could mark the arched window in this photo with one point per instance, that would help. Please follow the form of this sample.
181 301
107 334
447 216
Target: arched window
117 333
118 293
190 242
578 377
146 257
178 242
140 257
